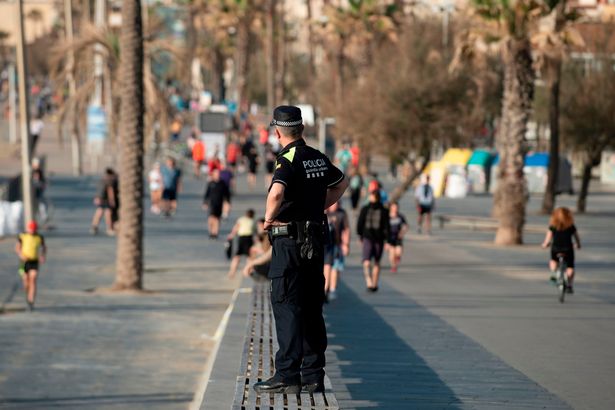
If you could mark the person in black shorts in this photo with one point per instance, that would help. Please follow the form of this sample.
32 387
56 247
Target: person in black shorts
250 153
216 194
560 235
106 202
373 229
395 241
244 229
270 158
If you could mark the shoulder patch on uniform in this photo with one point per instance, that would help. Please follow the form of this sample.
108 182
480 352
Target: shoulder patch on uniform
278 165
290 155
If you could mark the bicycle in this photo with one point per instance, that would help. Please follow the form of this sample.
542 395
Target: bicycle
561 279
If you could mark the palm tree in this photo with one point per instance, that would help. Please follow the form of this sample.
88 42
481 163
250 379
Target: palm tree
550 46
81 46
358 29
129 262
517 20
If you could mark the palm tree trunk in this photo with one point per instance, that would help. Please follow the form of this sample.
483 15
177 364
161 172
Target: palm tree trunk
280 74
270 50
312 68
548 201
511 195
129 261
585 180
243 62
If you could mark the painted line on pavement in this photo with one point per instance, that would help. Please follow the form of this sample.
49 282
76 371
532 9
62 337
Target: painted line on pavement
199 395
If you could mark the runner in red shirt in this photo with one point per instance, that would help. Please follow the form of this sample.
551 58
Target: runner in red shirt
198 156
354 150
232 154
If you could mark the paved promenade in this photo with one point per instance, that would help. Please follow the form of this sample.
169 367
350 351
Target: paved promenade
464 324
82 349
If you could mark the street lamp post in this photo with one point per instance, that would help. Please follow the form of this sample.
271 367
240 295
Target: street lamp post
24 118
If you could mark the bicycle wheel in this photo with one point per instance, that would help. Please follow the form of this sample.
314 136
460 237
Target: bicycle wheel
561 286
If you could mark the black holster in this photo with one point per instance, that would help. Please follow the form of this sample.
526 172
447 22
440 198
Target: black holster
310 238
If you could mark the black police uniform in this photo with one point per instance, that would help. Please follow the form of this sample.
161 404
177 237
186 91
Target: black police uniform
297 281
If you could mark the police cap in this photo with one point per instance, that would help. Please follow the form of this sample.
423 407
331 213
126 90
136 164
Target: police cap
286 116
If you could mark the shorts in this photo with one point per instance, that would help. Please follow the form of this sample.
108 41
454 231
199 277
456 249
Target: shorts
244 243
30 265
424 209
169 194
395 242
215 210
355 196
334 257
372 249
568 257
270 165
104 204
252 167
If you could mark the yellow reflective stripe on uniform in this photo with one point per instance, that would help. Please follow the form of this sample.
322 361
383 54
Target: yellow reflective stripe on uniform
290 155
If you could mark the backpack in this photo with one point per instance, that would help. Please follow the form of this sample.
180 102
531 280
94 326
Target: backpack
373 219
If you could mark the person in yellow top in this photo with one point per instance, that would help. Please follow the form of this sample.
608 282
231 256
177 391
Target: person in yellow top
31 250
245 229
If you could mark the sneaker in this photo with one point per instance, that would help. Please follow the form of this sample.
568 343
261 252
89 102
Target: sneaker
332 295
394 269
30 306
94 230
553 278
569 290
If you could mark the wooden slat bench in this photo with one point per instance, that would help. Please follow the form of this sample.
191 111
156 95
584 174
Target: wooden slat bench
257 364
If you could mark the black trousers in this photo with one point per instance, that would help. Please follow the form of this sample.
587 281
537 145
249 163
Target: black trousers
297 296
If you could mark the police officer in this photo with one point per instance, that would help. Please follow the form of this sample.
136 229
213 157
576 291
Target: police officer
304 184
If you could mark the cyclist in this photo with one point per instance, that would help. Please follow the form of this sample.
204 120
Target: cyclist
559 235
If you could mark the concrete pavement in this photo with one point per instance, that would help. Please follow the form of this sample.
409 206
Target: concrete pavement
84 349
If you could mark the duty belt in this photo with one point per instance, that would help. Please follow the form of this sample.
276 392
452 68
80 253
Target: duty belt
289 230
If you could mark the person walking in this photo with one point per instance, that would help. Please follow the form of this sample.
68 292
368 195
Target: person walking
244 229
395 243
337 248
425 204
232 154
356 188
250 154
106 202
304 184
373 229
172 185
216 195
198 156
270 158
343 157
154 179
31 250
36 129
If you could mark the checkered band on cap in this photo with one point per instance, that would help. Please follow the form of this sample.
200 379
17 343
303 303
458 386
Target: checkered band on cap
286 123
